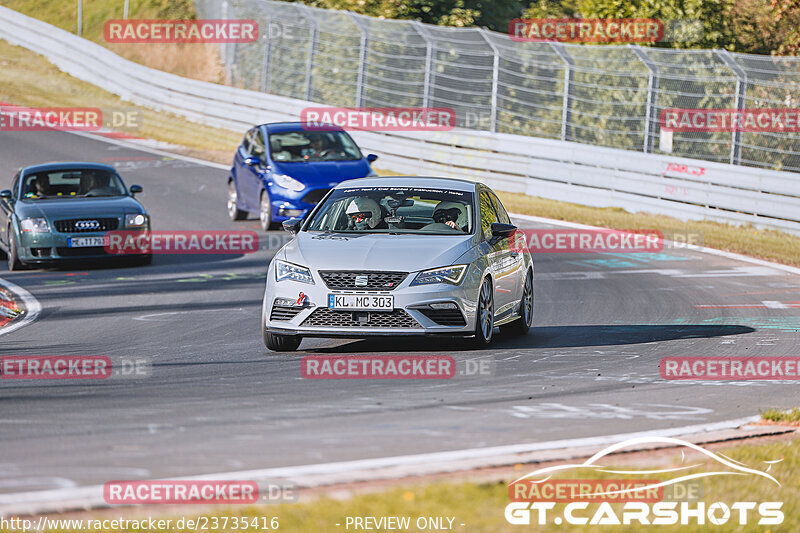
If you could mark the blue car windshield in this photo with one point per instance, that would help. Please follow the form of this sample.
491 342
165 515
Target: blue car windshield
71 184
307 146
421 210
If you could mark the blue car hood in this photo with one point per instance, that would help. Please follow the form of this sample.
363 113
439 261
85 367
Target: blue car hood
323 173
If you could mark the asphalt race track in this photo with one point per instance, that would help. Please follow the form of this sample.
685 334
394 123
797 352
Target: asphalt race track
218 401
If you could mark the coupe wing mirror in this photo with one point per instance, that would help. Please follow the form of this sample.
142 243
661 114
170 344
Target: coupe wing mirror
292 225
136 189
5 194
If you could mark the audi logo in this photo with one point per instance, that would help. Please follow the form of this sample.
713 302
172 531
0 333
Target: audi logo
87 224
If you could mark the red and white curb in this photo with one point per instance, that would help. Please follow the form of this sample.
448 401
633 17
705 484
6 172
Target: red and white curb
18 307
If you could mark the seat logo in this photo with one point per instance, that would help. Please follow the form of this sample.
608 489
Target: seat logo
87 224
362 281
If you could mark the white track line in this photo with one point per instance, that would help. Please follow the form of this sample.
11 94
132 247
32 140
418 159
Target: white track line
314 475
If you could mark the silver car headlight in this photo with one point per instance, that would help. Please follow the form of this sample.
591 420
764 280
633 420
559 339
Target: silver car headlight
453 275
284 270
136 220
288 182
35 225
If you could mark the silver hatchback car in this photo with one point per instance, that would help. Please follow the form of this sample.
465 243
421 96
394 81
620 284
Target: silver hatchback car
399 256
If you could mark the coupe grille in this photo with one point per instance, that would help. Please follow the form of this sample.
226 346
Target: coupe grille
315 196
284 312
86 225
445 317
340 280
346 319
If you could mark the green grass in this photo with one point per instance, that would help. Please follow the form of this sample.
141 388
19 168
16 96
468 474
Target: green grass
782 415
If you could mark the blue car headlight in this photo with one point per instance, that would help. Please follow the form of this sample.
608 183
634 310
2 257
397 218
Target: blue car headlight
284 270
288 182
34 225
453 275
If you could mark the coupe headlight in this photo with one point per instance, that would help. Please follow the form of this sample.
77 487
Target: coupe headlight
284 270
288 182
35 225
136 220
452 275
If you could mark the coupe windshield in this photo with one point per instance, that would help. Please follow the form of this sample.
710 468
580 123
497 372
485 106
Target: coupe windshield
305 146
71 184
395 210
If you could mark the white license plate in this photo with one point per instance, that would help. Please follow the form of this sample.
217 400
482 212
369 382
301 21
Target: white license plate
86 242
360 302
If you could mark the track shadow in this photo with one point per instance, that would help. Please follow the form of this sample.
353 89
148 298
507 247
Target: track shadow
548 337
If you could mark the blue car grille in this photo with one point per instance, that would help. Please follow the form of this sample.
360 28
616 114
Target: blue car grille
315 196
86 225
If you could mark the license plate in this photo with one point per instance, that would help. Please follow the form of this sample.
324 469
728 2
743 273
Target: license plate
360 302
86 242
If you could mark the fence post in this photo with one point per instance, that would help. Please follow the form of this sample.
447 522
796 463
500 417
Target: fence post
741 91
495 77
311 48
650 118
428 80
362 58
559 49
265 74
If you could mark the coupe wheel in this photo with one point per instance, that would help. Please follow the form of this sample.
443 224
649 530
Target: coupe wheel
484 315
13 255
521 325
233 208
265 211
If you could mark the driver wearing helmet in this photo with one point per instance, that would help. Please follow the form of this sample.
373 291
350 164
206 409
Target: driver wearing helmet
364 214
451 213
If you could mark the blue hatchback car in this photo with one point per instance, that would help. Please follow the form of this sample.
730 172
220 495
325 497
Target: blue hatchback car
282 170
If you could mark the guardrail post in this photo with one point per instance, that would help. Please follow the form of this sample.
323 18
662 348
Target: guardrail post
650 118
741 91
559 49
495 78
362 58
428 80
311 48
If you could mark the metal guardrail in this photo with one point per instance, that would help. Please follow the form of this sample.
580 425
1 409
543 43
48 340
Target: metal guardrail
600 95
561 170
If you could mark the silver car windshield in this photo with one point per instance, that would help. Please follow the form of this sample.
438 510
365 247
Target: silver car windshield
71 184
427 211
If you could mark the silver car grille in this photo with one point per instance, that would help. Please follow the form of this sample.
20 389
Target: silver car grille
324 317
343 280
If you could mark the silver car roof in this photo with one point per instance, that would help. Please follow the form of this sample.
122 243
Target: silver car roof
410 181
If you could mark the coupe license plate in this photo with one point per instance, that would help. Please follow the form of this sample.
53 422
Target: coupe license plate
86 242
360 302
